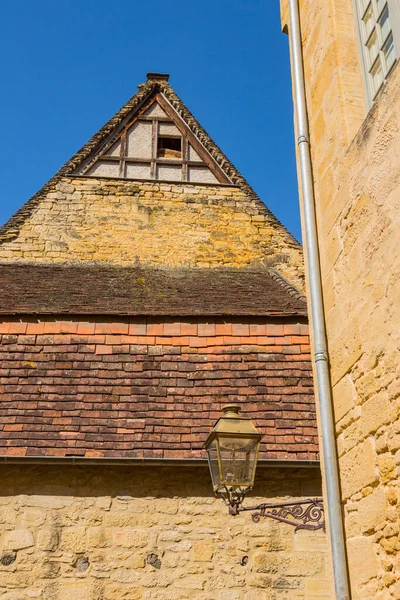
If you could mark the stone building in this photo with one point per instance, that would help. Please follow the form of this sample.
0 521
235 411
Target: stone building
142 288
350 54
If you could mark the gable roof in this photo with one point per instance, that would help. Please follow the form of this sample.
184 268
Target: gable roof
155 84
153 142
93 289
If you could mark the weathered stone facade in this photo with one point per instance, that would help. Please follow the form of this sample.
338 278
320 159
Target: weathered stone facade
137 533
357 182
158 224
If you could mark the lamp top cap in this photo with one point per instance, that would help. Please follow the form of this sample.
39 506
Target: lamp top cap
231 410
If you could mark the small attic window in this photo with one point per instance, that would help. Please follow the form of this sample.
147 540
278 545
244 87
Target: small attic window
169 147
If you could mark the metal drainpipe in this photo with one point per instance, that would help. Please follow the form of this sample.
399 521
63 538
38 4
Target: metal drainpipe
321 358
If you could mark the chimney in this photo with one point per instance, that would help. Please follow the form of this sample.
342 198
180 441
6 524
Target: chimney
157 76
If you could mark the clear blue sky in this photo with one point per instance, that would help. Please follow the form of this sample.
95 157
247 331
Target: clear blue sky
68 65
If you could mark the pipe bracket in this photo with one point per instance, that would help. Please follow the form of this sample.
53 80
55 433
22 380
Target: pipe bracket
303 139
321 356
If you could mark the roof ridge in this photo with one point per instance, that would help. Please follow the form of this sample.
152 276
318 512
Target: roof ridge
140 267
290 288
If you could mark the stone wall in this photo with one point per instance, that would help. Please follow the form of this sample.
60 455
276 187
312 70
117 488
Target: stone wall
357 181
139 533
156 224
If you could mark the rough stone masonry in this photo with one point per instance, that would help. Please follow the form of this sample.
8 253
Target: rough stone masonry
357 178
136 533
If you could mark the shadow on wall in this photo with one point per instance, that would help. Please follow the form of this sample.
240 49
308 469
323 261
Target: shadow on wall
142 482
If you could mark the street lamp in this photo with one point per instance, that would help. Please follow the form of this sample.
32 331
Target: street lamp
232 449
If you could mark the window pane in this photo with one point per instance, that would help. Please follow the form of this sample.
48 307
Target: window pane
377 40
372 48
384 24
377 75
364 4
369 21
389 53
381 4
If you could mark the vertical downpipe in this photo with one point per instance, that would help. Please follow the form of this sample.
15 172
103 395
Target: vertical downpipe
320 349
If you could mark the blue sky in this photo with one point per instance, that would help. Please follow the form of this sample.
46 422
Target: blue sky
68 65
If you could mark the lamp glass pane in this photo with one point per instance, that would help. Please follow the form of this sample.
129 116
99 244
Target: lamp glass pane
238 458
213 464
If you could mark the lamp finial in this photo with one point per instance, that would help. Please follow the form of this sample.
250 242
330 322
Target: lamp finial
231 411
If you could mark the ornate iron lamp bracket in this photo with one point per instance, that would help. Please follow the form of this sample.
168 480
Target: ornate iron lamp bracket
301 514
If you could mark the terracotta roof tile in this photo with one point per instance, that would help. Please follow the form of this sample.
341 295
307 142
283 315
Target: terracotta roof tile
102 395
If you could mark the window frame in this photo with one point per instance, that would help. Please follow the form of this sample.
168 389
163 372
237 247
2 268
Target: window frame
394 17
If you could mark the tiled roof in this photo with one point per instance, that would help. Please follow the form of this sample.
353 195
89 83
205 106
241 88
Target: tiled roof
98 289
146 388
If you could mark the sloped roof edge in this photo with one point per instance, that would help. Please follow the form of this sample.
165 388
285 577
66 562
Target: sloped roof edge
287 285
10 229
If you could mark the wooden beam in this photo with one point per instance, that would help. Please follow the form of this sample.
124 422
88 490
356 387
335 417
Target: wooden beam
150 118
117 134
201 151
187 137
154 132
164 161
185 159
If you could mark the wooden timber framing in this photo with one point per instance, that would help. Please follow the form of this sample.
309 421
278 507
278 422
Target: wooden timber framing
191 138
186 136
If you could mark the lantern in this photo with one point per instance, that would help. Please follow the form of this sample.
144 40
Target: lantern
232 449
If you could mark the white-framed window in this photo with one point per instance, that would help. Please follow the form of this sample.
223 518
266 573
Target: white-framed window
378 25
